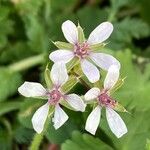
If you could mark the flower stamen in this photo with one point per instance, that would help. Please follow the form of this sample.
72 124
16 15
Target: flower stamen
81 50
54 96
105 100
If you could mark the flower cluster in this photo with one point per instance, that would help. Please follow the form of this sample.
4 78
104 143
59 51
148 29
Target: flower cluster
84 51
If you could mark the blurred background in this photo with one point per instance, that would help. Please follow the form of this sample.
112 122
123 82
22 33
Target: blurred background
27 28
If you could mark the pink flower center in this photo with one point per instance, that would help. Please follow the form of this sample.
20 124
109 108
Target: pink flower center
105 100
81 50
54 96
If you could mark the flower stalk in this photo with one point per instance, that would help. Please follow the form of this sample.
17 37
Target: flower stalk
26 63
36 142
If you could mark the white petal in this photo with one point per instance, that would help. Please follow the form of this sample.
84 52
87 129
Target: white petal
61 55
60 117
100 33
90 70
92 94
93 120
104 61
75 102
32 89
115 123
39 118
59 73
111 77
70 31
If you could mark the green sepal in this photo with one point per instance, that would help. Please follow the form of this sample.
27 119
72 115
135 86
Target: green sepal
81 77
98 84
69 84
81 37
93 103
72 63
97 47
65 104
51 110
64 45
118 85
41 97
119 107
47 77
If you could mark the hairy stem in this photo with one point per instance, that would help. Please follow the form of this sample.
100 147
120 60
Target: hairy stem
36 142
26 63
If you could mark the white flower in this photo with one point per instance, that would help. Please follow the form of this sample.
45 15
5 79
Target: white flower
32 89
83 51
103 99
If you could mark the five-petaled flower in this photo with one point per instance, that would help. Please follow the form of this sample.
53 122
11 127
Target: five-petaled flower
103 99
55 95
83 50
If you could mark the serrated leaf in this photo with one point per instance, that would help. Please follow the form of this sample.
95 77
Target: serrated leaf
138 131
135 91
123 35
23 135
27 109
84 142
60 135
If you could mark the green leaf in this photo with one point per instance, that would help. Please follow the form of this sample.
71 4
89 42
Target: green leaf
63 6
119 3
6 107
35 31
6 26
138 131
23 135
60 135
5 134
135 91
29 7
84 142
9 83
123 35
27 109
148 144
5 140
87 13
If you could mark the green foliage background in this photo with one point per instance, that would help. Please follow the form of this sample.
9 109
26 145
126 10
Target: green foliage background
27 29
